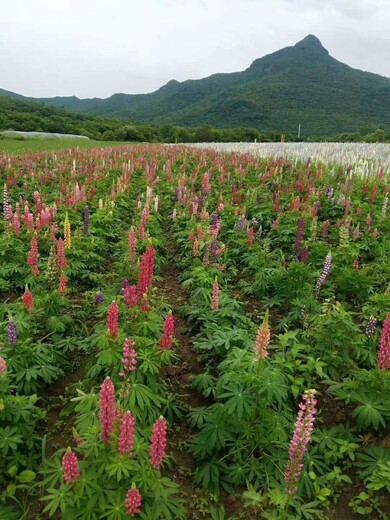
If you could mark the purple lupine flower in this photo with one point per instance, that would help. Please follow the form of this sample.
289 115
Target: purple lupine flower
98 298
371 325
300 440
125 283
12 332
214 221
176 196
213 250
241 224
86 220
299 237
258 199
325 272
200 202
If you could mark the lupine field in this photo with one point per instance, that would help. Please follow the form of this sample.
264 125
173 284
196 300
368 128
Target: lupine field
187 333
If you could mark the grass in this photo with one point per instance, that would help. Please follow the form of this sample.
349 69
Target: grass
40 145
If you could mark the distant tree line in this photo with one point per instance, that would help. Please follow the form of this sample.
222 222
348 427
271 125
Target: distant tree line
34 116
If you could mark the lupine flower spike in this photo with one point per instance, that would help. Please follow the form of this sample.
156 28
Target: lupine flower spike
126 434
325 272
70 466
3 366
129 357
215 295
262 339
371 326
112 319
107 409
12 332
300 440
384 345
67 233
27 300
168 331
158 442
133 501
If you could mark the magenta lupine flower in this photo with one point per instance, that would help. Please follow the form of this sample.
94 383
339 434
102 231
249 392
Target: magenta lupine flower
70 466
3 366
32 258
215 296
384 345
129 359
325 272
126 434
305 255
371 326
12 332
299 237
368 222
168 331
262 339
86 220
300 440
133 501
61 258
112 319
107 409
158 442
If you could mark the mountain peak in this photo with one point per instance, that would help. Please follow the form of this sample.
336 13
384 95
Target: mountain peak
310 42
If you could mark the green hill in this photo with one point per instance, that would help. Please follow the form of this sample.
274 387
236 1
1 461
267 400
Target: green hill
299 84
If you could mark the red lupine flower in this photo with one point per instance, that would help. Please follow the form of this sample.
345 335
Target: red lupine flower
27 300
126 434
112 319
129 359
107 409
133 501
62 284
168 331
300 440
61 258
131 296
384 345
215 296
70 466
158 442
32 258
145 303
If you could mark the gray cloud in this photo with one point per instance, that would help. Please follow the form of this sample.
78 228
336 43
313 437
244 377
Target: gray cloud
97 47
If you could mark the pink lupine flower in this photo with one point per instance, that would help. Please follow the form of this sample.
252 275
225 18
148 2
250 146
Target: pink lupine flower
375 233
62 284
368 223
300 440
168 331
132 245
356 263
129 357
61 258
3 366
215 296
16 222
325 228
133 501
27 300
158 442
126 434
146 268
32 258
107 409
384 345
70 466
262 339
112 319
251 233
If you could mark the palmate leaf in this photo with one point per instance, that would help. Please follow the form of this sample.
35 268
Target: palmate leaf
372 412
239 400
56 499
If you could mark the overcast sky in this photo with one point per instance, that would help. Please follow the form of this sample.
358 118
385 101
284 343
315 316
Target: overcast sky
94 48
